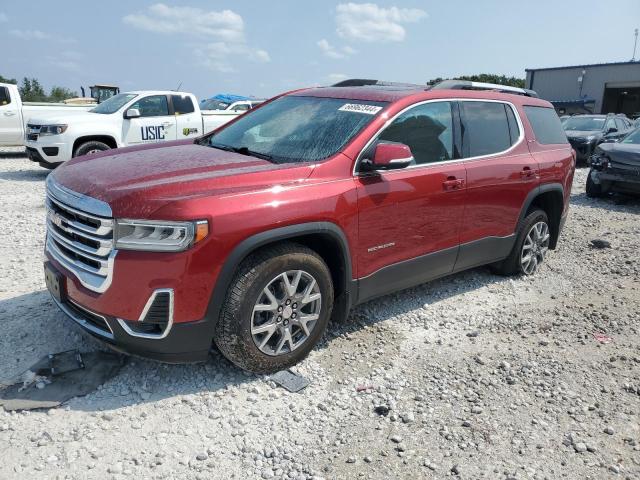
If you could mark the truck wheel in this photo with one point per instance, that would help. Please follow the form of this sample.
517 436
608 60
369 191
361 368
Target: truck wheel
90 147
277 308
593 189
532 244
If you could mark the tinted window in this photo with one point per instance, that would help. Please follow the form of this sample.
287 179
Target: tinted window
514 129
620 125
546 125
154 106
610 124
242 107
633 138
426 129
5 99
182 104
486 128
298 129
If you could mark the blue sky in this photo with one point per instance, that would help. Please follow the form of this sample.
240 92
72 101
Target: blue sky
265 47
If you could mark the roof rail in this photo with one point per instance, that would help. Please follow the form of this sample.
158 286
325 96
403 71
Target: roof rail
362 82
469 85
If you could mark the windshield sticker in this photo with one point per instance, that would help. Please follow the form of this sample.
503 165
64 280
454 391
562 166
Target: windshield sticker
360 108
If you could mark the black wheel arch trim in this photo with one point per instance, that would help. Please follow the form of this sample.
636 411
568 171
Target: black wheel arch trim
262 239
533 194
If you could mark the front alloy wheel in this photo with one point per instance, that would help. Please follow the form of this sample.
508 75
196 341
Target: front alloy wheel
286 312
535 247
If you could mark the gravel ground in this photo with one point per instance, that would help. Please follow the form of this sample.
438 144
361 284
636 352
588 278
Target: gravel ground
473 376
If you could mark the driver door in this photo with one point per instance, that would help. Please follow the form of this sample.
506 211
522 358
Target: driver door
155 123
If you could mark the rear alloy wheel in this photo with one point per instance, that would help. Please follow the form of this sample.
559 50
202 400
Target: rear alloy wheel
531 246
277 307
534 248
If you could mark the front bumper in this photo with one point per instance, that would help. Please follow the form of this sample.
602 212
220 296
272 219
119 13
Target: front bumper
50 153
622 182
188 342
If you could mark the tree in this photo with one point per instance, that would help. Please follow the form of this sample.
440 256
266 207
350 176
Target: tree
486 78
8 80
32 91
59 94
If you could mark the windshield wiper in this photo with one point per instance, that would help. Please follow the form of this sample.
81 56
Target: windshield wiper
241 151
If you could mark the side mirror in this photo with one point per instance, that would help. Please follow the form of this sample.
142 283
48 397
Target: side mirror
612 130
132 113
389 156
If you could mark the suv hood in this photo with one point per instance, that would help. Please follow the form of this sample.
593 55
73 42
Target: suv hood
147 177
625 154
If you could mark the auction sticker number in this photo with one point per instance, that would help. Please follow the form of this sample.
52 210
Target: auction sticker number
360 108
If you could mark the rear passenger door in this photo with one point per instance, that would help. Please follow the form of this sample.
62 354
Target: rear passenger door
409 219
188 121
500 174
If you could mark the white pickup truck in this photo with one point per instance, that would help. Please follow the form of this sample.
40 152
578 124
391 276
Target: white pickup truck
125 119
14 114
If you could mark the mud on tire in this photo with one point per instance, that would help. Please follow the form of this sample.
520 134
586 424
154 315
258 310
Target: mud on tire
233 333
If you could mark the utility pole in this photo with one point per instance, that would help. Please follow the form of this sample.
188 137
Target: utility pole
635 44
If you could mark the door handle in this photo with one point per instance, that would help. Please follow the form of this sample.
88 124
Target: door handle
9 114
452 183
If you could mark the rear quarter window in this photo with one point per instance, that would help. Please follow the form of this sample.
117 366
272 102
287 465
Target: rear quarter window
5 98
546 125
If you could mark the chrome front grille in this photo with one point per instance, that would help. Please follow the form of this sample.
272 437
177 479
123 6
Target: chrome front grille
80 235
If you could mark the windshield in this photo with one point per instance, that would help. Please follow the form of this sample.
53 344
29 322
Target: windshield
213 104
297 129
633 138
584 123
114 104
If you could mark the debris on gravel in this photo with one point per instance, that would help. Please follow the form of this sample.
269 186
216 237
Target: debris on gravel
471 376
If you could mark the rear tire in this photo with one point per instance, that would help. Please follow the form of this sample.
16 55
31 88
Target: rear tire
261 327
90 147
593 189
527 241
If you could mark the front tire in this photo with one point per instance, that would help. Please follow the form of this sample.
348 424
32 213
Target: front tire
530 248
593 189
88 148
277 308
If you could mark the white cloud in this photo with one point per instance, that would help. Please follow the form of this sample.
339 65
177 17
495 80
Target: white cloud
3 17
160 18
30 34
334 52
221 32
69 60
370 23
39 35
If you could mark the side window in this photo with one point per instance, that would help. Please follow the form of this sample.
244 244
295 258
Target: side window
546 125
5 98
426 129
620 125
153 106
610 124
182 104
514 129
486 128
241 107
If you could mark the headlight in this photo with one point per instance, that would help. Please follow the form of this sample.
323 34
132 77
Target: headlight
590 138
53 129
159 236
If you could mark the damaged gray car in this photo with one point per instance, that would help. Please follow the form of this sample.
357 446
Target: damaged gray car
615 167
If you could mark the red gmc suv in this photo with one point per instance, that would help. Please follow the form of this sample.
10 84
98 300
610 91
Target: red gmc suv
254 235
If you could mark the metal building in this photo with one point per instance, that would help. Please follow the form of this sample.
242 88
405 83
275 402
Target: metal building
596 88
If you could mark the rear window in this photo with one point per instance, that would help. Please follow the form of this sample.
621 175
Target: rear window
546 125
5 99
182 104
486 128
